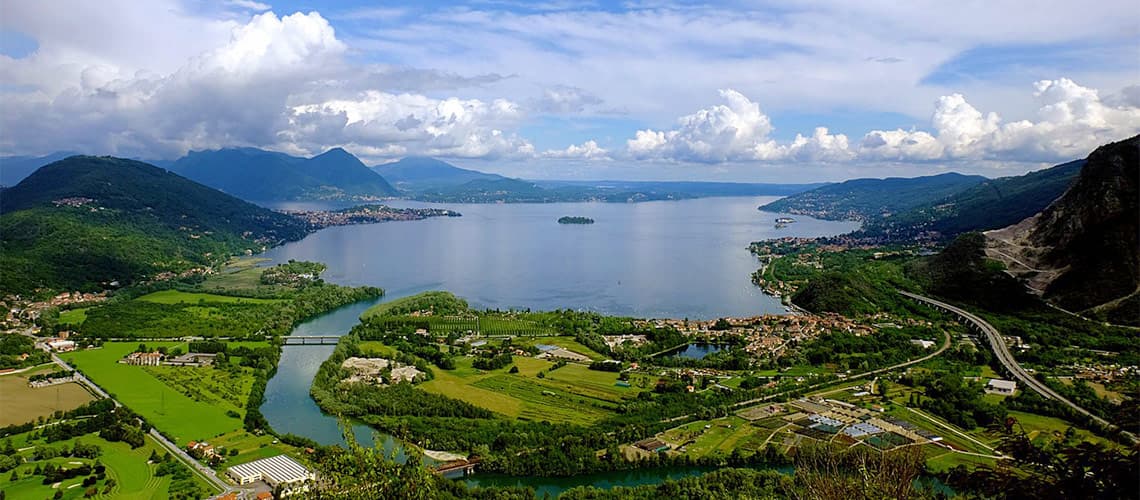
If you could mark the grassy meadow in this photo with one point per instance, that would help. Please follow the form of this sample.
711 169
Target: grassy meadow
570 394
168 408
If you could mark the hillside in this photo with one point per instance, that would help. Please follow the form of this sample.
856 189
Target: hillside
417 173
871 199
258 175
85 221
991 204
1082 252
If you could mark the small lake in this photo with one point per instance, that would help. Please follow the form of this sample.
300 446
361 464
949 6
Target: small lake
676 259
697 351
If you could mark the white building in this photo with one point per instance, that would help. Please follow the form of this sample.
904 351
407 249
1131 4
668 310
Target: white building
926 344
999 386
275 471
62 345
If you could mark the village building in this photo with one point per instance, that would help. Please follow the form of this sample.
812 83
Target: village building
62 345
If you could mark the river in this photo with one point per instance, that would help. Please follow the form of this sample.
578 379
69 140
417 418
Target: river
656 259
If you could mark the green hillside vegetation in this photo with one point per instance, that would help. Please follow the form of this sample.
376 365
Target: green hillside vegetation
869 199
129 220
992 204
438 302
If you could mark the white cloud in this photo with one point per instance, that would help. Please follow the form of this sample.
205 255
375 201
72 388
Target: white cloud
565 99
1072 120
734 131
277 82
250 5
588 150
445 127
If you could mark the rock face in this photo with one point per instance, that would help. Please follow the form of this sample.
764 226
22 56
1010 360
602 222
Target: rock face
1082 252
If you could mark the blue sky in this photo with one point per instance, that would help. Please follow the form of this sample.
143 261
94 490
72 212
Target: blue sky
750 91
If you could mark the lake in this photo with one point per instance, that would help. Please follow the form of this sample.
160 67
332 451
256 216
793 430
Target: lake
655 259
697 351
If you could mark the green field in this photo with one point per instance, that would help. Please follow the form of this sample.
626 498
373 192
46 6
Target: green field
571 394
22 403
134 477
179 297
73 316
175 414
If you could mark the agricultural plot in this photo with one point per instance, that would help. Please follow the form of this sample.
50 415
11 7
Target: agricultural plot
570 394
179 297
22 403
73 317
165 407
541 402
227 388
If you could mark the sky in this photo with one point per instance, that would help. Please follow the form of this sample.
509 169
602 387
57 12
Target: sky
760 91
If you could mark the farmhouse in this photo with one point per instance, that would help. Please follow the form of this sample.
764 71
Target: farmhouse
999 386
652 445
143 358
275 471
193 359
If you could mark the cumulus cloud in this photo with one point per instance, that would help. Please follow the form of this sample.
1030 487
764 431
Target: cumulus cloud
1071 121
734 131
277 82
588 150
409 122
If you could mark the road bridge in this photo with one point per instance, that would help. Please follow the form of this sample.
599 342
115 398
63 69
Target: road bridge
311 339
1007 360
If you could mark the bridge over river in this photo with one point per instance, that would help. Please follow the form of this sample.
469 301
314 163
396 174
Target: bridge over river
311 339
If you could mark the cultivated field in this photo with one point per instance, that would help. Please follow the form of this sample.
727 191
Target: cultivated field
22 404
179 297
174 413
571 394
73 316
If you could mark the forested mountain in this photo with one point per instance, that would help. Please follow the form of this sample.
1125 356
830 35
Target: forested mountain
991 204
258 175
1083 251
418 173
85 221
871 199
14 169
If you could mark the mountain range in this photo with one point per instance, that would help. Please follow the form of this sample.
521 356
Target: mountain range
933 207
258 175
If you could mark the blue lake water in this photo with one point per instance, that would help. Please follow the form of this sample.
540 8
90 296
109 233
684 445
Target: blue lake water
656 259
697 351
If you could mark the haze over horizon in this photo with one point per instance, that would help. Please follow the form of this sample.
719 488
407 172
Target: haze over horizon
748 91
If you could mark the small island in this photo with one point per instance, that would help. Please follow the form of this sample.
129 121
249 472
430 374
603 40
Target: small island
575 220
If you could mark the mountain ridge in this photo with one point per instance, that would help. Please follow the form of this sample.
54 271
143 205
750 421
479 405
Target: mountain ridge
84 221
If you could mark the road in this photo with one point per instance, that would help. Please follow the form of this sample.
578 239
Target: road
1006 358
945 345
205 472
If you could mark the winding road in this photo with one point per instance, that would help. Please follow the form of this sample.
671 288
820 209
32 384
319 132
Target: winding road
1007 360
